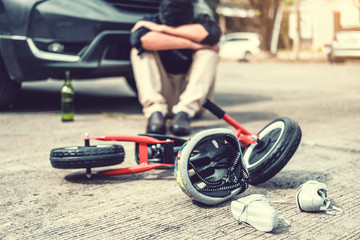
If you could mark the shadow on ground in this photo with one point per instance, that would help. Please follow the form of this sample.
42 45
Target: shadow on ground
156 174
35 100
293 179
226 99
283 180
99 99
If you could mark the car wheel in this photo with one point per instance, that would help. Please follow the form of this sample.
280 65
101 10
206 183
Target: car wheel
9 89
247 56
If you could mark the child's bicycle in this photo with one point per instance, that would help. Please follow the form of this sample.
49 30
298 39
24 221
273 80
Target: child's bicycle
264 154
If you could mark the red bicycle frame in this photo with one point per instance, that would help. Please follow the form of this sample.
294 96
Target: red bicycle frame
144 164
244 136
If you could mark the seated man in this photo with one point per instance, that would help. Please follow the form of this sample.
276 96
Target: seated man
174 59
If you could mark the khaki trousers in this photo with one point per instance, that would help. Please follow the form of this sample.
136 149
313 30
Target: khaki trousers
172 93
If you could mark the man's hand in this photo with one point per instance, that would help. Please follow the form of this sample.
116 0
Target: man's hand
216 48
149 25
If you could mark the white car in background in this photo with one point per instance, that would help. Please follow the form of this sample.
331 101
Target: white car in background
345 45
239 45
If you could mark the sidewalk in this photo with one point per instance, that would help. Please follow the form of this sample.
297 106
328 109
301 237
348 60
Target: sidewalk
310 56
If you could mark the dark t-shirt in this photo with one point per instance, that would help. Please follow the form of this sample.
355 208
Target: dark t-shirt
178 61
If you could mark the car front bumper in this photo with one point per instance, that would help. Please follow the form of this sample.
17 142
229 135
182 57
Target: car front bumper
345 53
31 63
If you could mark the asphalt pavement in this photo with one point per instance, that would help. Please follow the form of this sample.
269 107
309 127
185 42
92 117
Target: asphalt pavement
41 202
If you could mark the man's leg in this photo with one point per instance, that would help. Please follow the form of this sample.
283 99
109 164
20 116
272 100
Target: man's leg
152 84
200 84
178 84
151 81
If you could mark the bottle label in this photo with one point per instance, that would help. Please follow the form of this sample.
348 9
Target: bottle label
67 107
67 103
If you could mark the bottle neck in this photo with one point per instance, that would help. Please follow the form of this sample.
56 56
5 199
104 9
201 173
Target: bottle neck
67 79
67 82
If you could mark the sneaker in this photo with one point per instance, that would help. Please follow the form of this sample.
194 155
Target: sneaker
256 211
312 197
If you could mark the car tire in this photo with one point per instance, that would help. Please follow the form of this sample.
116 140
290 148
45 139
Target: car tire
247 56
9 89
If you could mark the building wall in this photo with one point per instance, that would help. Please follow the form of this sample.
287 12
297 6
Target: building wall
317 19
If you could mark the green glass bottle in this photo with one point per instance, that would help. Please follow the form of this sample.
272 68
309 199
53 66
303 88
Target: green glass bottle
67 100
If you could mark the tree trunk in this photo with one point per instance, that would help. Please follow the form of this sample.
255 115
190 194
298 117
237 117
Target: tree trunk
266 20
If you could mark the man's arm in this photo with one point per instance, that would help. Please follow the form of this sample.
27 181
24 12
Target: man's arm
149 35
157 41
194 32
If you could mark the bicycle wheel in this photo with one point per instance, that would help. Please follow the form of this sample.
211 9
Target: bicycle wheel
87 156
279 141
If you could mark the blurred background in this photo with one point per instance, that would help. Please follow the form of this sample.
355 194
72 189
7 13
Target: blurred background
290 29
41 40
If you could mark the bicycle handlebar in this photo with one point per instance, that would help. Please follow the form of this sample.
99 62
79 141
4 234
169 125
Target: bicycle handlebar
213 108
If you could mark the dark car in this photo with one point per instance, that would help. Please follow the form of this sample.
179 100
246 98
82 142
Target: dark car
41 39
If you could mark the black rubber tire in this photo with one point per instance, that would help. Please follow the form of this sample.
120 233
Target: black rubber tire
9 89
281 139
87 157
